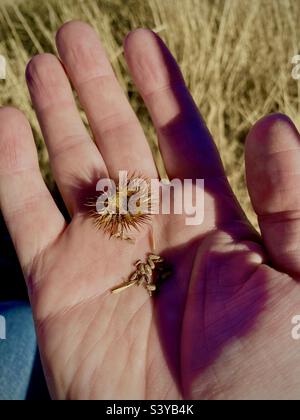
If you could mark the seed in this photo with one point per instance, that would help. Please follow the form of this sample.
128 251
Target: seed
155 257
133 276
147 269
151 264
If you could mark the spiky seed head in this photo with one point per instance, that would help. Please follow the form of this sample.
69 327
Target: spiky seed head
112 218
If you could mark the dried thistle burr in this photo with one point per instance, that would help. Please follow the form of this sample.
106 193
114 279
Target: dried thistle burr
125 208
144 275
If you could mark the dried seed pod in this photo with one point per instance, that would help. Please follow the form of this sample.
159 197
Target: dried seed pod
143 275
111 217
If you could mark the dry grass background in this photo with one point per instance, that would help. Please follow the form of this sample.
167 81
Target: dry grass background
235 56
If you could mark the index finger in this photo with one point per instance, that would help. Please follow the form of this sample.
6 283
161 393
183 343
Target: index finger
32 217
116 129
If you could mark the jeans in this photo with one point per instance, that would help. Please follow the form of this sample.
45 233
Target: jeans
21 376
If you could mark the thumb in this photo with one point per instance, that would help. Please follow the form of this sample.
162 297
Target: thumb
273 180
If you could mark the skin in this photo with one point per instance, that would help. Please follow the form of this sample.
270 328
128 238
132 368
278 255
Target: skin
220 326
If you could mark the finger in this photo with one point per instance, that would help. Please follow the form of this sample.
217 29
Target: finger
30 213
186 145
73 155
116 129
273 179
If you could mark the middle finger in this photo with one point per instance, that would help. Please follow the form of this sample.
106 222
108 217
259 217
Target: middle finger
116 129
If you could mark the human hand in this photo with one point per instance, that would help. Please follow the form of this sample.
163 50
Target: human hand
220 326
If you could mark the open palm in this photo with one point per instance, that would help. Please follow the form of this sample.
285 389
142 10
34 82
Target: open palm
220 326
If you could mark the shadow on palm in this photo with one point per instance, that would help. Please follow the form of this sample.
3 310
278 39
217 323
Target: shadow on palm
213 297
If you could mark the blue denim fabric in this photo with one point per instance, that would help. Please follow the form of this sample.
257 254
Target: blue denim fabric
20 371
